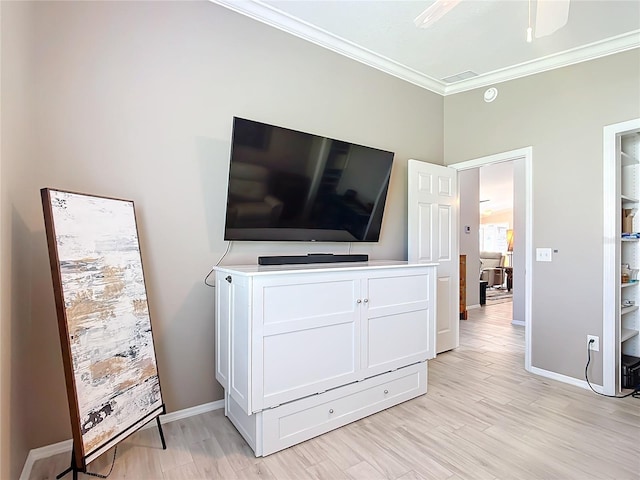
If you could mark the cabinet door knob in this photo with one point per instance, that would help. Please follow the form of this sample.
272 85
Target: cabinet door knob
228 279
366 300
331 410
358 301
386 391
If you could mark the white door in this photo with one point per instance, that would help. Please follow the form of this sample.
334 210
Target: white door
433 237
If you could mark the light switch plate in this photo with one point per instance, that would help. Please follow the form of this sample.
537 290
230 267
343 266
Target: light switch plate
543 254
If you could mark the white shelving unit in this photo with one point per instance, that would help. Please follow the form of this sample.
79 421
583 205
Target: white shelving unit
628 328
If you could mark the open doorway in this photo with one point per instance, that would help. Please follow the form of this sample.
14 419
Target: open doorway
487 233
488 217
520 256
494 201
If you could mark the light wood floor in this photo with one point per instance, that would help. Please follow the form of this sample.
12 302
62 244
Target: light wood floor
484 417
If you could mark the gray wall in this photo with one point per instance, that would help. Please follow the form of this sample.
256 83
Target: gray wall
561 114
469 190
16 263
135 100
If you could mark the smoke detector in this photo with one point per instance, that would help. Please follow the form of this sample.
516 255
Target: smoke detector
490 94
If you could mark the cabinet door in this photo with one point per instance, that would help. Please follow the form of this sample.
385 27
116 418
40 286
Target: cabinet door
398 324
223 329
240 343
305 329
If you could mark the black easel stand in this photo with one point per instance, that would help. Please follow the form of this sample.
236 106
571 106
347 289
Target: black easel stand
164 445
74 466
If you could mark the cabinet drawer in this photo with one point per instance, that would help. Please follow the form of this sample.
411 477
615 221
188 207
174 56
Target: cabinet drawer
303 419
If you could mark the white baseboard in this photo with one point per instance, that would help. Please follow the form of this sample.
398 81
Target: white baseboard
518 323
189 412
471 307
44 452
66 445
566 379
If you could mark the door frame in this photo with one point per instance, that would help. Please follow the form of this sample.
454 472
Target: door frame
525 153
610 268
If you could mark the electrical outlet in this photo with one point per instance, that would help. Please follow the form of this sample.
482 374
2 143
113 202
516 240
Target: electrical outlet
595 346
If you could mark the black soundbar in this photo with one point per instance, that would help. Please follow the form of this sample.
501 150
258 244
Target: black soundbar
312 258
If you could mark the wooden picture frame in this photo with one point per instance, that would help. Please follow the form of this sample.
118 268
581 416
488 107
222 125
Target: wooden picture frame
110 366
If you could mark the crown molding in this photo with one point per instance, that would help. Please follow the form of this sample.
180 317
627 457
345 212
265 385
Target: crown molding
282 21
609 46
268 15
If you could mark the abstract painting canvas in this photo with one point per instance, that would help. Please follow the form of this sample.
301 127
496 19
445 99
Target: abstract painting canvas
103 318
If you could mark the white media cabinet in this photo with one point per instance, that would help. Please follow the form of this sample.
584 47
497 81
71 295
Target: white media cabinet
304 349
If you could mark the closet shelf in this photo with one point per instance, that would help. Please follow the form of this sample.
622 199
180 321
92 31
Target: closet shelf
627 333
627 160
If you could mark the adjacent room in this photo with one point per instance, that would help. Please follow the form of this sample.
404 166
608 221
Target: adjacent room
459 177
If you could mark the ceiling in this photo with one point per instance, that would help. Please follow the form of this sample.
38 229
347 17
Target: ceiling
484 37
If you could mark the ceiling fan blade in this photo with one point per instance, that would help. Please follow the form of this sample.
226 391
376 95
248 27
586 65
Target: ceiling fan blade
551 15
435 12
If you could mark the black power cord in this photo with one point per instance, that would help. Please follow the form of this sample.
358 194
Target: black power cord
99 475
207 278
211 271
634 394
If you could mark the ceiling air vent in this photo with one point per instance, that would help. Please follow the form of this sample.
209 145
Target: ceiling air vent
460 76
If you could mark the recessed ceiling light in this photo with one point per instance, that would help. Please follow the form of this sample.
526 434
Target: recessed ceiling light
490 94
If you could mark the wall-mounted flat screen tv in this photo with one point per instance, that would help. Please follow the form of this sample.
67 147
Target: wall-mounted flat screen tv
286 185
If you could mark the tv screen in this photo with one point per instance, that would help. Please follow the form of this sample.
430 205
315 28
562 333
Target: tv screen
288 185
